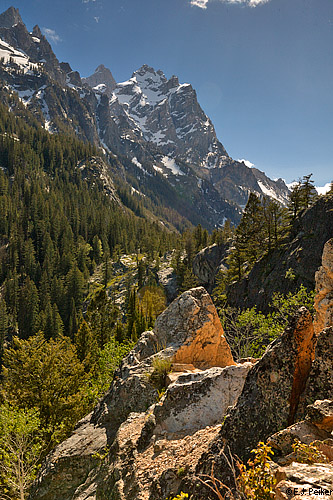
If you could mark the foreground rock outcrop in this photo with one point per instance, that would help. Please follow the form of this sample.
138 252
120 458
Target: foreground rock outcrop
319 384
302 481
295 478
295 371
190 333
272 388
141 445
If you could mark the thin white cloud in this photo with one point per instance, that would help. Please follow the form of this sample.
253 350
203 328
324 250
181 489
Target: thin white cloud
51 35
255 3
87 1
202 4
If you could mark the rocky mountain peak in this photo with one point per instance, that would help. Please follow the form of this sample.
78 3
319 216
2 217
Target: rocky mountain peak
10 18
37 32
173 82
148 72
102 79
168 115
147 77
33 46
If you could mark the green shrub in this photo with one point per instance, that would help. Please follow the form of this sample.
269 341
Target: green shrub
285 306
308 453
250 331
181 472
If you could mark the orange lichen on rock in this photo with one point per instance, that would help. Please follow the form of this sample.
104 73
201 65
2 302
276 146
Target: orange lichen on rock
192 326
304 337
206 346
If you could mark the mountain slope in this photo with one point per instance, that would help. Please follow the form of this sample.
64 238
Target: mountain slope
164 141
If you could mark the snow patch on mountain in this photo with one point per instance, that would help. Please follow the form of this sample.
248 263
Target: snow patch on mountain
136 162
323 189
133 190
8 54
172 165
268 191
25 96
160 170
247 163
291 185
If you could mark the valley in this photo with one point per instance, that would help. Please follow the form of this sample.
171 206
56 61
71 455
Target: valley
164 309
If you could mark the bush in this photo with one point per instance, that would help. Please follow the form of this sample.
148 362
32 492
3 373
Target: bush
308 453
285 306
256 482
250 331
20 450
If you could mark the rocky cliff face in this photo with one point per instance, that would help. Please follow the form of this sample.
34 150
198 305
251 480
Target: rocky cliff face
324 290
302 254
207 263
34 45
272 389
168 114
190 334
295 371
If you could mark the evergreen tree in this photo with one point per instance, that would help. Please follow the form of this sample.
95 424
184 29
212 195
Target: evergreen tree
97 249
75 285
263 226
248 239
141 273
189 280
86 345
309 193
28 310
73 320
102 315
119 333
295 200
3 326
46 376
302 195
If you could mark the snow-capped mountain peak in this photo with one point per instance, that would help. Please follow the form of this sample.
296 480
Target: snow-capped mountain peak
168 115
145 84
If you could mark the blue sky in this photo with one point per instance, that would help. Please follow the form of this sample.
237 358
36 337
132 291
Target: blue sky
262 69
